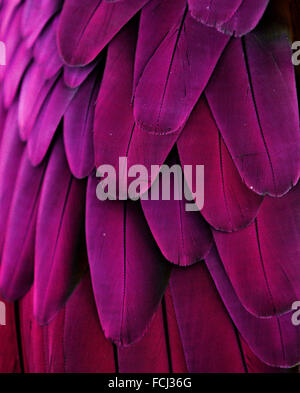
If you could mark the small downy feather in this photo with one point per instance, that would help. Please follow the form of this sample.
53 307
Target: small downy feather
59 247
125 263
86 28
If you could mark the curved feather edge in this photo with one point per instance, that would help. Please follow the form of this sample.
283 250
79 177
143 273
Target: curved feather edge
124 263
84 23
60 256
274 340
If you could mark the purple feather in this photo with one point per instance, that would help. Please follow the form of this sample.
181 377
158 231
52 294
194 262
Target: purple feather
116 134
210 342
48 120
11 151
35 16
229 205
12 38
257 81
59 248
245 19
213 12
133 359
125 264
17 265
14 73
233 17
165 14
45 51
177 71
266 278
182 236
8 12
85 347
75 76
34 91
86 28
78 128
274 340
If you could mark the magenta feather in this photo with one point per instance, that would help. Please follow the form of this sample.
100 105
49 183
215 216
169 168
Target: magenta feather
50 115
81 36
213 12
34 91
266 279
209 339
133 359
78 128
234 17
45 50
124 263
10 360
274 340
40 12
7 14
229 205
258 82
12 38
11 151
32 337
75 76
59 247
17 264
14 73
245 18
182 236
177 71
85 347
177 358
115 132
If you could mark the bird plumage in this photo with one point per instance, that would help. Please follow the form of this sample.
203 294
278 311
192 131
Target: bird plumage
145 286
